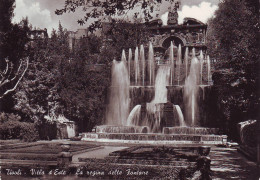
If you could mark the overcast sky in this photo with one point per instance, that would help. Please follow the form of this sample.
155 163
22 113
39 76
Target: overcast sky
41 13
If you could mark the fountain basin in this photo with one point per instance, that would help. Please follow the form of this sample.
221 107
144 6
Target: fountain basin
154 138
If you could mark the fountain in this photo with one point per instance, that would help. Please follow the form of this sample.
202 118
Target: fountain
118 107
179 63
134 116
191 88
157 109
137 67
201 66
186 59
180 115
208 70
151 64
129 63
143 63
172 63
161 81
154 109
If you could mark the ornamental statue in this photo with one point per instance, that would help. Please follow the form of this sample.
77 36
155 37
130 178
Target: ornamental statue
173 15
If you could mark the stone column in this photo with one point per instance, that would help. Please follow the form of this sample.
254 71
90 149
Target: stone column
258 143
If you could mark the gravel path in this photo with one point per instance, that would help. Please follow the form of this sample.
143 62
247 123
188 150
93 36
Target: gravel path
227 163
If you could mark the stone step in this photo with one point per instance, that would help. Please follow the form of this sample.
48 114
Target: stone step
122 160
18 145
153 138
27 163
166 130
93 162
191 130
152 162
28 156
120 129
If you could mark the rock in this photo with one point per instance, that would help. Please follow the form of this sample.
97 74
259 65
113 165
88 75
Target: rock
248 133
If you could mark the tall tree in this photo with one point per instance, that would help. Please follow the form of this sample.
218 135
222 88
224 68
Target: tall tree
13 41
233 39
37 94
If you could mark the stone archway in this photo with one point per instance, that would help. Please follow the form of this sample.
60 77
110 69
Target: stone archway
166 42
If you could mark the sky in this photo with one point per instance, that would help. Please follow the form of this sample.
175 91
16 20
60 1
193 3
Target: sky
41 13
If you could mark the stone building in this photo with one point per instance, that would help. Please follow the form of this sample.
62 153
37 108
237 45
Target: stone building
190 34
37 34
74 37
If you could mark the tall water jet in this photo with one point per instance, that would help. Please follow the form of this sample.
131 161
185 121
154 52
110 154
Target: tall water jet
180 115
172 63
193 53
129 63
143 62
201 65
123 57
193 108
151 64
191 89
161 81
209 69
186 59
179 63
155 108
153 116
118 107
134 116
137 67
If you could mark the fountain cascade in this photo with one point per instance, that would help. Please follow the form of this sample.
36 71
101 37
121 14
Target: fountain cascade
164 108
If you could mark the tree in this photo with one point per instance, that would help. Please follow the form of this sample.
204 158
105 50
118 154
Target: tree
233 39
88 48
9 80
38 94
60 82
83 92
119 35
13 40
98 9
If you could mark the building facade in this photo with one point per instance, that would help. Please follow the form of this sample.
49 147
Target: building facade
190 34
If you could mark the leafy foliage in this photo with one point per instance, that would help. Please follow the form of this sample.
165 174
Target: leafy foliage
233 40
120 35
37 95
61 81
99 9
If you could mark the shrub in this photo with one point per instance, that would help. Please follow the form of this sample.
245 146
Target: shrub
9 117
12 128
29 132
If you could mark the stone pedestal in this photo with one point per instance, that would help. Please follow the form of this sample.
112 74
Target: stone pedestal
64 157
